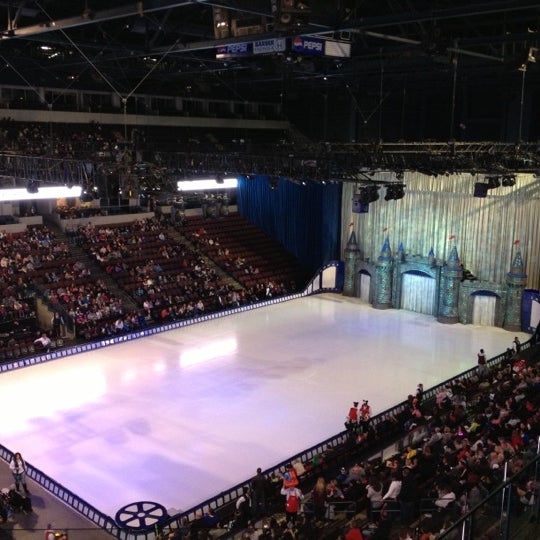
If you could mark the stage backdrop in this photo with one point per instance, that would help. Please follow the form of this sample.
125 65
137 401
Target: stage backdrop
436 208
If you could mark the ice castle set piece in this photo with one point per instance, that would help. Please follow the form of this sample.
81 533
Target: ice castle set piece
380 283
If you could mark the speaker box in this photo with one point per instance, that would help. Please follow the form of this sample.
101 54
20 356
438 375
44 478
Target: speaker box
359 207
480 190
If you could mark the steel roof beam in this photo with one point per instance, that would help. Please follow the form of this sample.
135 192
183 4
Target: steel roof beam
131 10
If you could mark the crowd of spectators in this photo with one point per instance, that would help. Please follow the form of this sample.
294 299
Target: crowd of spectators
237 265
61 141
471 431
166 277
474 428
20 254
245 252
109 143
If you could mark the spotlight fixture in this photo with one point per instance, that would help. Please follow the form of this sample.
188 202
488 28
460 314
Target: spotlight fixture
493 182
44 192
86 197
32 186
394 192
366 194
206 184
509 180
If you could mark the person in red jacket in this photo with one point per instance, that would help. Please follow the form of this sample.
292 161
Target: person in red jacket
354 532
365 416
351 422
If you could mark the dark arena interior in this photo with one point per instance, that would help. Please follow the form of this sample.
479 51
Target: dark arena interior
282 207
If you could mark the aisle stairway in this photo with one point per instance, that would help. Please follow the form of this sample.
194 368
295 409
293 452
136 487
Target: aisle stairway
225 278
96 271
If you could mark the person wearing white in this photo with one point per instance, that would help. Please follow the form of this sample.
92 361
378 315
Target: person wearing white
43 342
445 498
394 489
18 470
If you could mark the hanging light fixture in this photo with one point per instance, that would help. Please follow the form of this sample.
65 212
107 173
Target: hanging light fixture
509 180
394 192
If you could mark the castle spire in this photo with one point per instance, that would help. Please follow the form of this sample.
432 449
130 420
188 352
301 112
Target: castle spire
517 268
386 251
453 258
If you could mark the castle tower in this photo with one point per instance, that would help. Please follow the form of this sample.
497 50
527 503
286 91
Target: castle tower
352 254
401 253
516 281
383 277
451 275
431 257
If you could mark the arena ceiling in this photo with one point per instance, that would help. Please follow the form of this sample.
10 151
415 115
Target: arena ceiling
167 46
412 70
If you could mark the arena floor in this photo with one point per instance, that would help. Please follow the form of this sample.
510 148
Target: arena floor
178 417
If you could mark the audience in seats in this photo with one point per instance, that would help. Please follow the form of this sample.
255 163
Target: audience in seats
441 475
43 342
474 427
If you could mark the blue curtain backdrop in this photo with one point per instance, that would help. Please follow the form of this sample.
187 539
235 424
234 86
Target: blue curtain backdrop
304 219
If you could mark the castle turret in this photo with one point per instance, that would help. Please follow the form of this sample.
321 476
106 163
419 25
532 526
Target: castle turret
401 252
451 275
352 254
516 281
383 278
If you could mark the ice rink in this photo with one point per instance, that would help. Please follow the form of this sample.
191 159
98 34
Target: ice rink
180 416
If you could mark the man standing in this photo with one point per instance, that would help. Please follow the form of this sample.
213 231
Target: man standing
293 497
351 421
365 416
243 510
408 496
482 361
259 487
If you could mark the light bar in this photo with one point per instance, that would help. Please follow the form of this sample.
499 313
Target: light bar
55 192
207 184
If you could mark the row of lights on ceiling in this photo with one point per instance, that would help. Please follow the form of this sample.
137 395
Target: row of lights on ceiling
493 182
369 193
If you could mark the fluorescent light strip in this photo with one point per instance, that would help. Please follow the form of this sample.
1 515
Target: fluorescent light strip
206 185
56 192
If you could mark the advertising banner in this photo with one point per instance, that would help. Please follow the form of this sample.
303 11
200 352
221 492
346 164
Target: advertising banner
339 49
308 45
269 46
233 50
